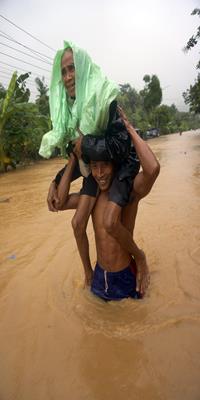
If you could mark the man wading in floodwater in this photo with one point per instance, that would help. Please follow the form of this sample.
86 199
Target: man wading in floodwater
114 276
83 100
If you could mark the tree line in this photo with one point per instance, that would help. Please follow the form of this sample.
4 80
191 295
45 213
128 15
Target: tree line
145 111
23 123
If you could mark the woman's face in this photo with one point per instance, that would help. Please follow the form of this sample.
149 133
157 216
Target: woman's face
68 72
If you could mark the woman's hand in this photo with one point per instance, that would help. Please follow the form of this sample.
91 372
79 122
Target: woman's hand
52 198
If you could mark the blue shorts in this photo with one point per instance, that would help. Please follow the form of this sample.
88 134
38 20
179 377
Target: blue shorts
115 285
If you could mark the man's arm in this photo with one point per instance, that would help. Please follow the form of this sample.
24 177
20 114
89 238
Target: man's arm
52 197
144 181
65 182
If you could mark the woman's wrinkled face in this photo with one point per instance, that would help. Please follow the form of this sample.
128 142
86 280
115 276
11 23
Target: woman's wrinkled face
68 72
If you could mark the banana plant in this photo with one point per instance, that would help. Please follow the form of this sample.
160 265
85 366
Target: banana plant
4 115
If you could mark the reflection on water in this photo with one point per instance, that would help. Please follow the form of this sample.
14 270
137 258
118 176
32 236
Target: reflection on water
57 340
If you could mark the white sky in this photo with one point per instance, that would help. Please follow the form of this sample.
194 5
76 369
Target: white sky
127 38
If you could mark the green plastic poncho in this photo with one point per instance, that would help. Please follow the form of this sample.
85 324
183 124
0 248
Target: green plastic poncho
90 110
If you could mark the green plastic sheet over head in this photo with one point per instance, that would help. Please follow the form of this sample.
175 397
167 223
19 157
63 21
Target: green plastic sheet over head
90 110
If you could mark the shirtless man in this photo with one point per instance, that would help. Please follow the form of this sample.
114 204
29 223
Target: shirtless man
116 275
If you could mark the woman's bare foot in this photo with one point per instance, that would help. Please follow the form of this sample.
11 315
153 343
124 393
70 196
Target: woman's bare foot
142 275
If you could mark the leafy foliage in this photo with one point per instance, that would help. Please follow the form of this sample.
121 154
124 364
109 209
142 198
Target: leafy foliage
129 99
22 93
21 124
152 93
192 95
2 92
194 38
42 99
167 119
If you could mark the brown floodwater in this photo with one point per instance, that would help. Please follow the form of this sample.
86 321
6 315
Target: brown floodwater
58 341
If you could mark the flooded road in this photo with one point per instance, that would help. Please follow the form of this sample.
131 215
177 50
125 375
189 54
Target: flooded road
59 342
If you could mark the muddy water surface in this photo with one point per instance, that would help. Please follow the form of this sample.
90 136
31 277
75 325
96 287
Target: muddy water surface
59 342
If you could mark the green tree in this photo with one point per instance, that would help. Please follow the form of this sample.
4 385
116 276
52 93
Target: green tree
21 124
23 133
194 38
22 93
152 93
5 113
42 99
192 95
129 100
166 118
163 118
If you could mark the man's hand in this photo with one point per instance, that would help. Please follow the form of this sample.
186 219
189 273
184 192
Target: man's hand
88 277
52 198
142 275
124 118
77 147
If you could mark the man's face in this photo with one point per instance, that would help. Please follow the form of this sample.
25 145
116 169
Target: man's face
68 72
102 172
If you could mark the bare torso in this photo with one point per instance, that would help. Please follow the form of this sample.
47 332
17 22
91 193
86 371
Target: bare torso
110 255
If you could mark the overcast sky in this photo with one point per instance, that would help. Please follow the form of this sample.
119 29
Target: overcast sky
127 38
